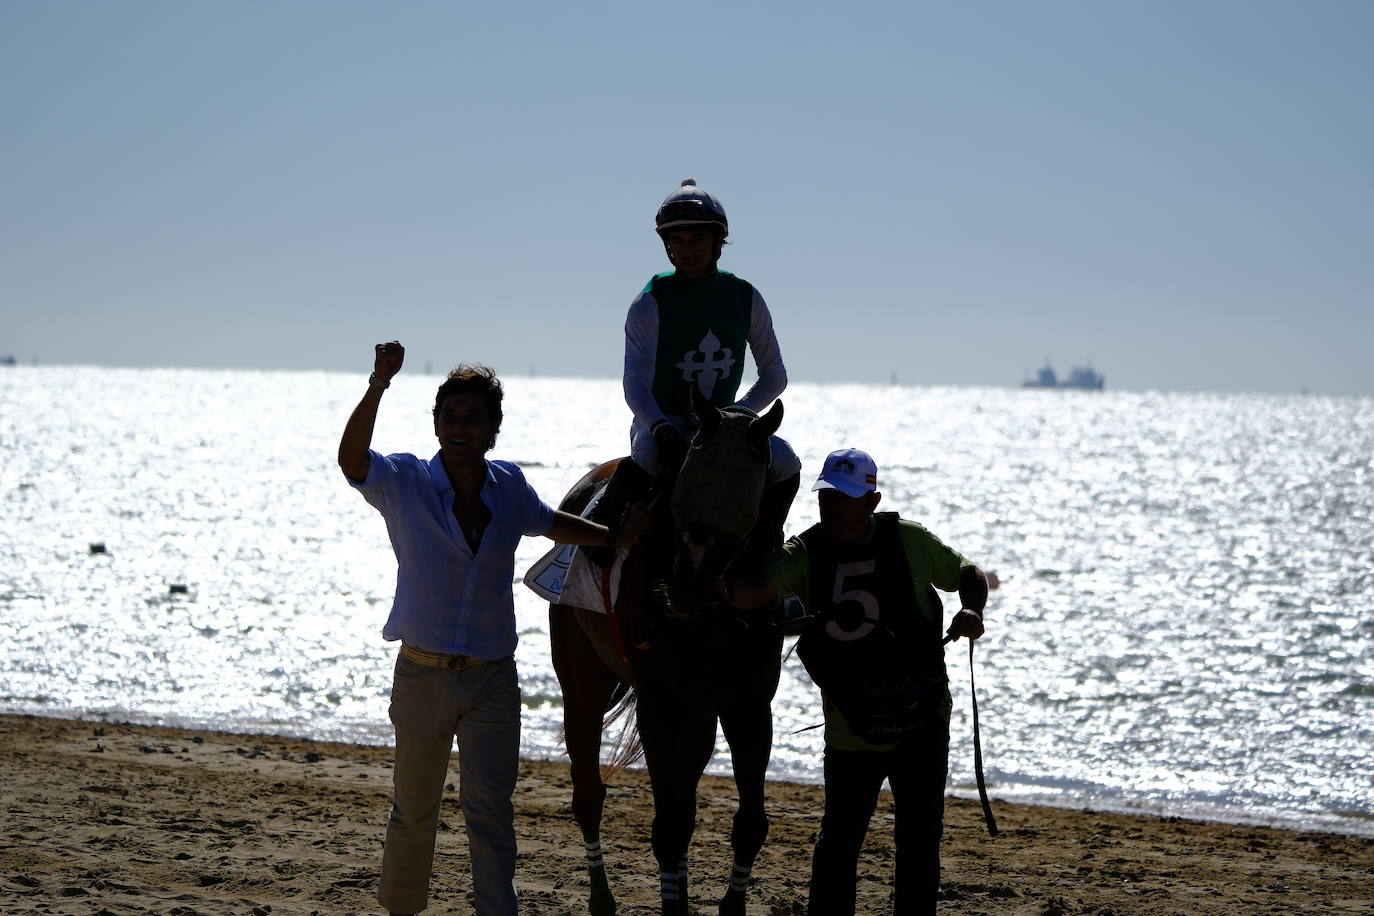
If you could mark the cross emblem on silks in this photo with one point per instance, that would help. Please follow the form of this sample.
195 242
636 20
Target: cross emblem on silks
709 362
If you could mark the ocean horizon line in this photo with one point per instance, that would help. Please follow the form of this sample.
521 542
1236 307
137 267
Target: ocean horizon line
533 374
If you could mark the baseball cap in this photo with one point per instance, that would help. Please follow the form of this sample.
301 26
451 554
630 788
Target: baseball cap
850 471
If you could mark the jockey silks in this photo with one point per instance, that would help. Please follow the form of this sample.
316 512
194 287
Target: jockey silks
703 335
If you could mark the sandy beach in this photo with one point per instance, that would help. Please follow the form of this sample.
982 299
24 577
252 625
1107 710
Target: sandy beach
115 818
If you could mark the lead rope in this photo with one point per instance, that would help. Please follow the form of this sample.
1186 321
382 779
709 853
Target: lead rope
977 744
978 751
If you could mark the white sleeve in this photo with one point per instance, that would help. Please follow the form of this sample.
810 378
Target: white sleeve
641 348
763 343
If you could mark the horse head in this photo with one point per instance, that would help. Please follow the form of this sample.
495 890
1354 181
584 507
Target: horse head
715 500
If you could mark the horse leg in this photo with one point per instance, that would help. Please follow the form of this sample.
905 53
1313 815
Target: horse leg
747 721
587 686
748 729
676 751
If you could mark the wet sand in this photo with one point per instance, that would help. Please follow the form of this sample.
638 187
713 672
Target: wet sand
124 819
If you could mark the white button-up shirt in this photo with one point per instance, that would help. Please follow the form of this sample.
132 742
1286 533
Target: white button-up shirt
448 599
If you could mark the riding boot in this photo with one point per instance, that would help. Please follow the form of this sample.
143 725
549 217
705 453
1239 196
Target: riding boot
628 481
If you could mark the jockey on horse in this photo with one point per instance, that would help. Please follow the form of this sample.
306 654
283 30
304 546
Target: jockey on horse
691 325
693 662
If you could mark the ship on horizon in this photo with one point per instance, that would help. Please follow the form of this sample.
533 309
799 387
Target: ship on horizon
1083 377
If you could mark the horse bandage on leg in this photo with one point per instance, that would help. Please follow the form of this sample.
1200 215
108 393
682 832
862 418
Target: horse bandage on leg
668 886
739 877
595 859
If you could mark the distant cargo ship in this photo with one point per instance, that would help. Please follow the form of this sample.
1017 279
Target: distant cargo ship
1079 377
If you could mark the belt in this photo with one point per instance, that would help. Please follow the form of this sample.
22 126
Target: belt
438 660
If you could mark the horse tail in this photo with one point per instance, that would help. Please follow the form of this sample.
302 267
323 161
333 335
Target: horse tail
626 749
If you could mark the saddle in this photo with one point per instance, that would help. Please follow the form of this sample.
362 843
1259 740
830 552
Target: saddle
567 575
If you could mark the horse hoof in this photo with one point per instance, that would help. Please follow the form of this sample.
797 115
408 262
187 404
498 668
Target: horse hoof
732 904
601 902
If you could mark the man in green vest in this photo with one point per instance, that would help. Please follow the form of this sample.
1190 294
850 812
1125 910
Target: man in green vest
692 325
873 644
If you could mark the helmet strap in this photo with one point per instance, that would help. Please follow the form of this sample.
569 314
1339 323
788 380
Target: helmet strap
720 246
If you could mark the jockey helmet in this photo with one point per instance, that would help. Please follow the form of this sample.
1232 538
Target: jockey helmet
690 205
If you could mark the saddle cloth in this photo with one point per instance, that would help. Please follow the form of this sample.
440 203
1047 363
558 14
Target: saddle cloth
564 575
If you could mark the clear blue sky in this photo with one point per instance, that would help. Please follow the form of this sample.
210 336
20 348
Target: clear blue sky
1180 192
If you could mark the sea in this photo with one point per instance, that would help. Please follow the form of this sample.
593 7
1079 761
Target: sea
1183 625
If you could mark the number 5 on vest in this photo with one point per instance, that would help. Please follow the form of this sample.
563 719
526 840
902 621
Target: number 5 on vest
844 571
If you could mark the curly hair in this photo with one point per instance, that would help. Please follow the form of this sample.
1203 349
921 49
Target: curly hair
474 378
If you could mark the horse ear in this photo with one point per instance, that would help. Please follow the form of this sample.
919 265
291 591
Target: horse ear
768 424
707 414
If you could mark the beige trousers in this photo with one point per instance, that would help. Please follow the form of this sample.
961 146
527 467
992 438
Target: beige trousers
480 706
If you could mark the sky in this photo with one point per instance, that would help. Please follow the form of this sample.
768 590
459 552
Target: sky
1179 194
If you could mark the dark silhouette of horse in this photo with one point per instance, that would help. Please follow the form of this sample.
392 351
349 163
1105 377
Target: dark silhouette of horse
684 661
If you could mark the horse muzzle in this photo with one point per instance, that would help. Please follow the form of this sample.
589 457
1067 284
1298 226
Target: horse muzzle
701 556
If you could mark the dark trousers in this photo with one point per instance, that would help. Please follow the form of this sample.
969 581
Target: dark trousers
916 770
